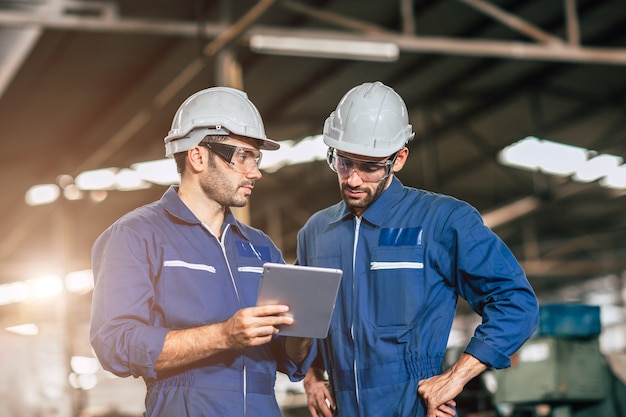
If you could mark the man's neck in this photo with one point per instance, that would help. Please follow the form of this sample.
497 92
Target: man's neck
207 211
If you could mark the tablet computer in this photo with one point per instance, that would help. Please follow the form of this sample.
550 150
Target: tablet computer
310 292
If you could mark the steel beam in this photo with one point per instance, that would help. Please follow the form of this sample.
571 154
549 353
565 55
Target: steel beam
550 50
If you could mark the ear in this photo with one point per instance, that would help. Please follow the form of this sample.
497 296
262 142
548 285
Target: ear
401 158
196 159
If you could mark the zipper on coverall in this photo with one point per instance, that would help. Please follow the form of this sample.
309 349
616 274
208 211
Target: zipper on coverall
232 280
357 229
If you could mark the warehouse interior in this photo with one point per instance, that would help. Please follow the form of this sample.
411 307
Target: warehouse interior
93 84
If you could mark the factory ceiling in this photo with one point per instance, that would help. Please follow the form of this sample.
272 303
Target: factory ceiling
94 84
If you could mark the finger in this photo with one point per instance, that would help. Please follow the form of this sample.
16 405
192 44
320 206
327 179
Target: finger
319 404
329 400
268 310
272 321
447 410
282 320
313 407
324 411
264 331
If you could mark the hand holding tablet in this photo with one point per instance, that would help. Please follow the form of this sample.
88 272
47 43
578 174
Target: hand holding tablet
310 292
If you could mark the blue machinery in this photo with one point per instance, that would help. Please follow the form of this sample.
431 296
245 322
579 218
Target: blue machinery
560 371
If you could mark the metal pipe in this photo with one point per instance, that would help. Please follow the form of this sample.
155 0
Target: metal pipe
408 22
573 30
332 18
240 26
513 22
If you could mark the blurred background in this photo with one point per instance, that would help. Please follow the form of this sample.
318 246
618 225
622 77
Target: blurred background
518 108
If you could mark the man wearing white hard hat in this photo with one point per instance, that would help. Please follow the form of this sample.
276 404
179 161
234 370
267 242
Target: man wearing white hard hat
176 281
406 255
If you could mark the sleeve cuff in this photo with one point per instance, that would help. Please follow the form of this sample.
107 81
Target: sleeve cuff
487 354
148 346
296 372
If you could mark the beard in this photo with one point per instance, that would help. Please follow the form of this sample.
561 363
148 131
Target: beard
366 200
224 192
227 194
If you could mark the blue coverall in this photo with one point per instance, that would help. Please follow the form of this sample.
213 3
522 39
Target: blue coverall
405 262
159 268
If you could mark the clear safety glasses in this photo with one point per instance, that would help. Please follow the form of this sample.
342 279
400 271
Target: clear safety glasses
368 171
242 160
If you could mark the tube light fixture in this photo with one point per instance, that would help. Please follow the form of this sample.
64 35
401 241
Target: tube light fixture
325 48
580 164
28 329
42 194
598 167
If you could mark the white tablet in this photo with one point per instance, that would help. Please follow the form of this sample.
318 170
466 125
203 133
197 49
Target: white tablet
310 292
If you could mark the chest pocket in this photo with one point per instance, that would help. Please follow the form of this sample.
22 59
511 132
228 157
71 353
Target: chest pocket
398 291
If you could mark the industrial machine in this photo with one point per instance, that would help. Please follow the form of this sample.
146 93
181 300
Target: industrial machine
560 371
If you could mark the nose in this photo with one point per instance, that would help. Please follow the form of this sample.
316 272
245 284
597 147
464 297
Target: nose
255 173
354 178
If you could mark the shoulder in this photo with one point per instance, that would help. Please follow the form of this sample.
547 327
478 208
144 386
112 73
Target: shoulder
327 215
149 213
141 221
442 203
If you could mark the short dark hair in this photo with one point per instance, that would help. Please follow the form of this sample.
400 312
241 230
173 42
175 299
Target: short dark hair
181 157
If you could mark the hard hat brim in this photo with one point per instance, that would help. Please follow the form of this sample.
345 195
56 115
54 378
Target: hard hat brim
268 144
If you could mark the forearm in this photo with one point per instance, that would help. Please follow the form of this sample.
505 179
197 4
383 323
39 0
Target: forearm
297 348
185 346
252 326
466 368
313 375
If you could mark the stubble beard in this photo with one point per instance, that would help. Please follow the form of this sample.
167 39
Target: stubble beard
365 201
224 192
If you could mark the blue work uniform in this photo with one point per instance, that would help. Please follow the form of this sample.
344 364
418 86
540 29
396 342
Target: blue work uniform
405 261
159 268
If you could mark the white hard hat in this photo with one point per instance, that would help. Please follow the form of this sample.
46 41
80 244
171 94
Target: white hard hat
215 111
371 120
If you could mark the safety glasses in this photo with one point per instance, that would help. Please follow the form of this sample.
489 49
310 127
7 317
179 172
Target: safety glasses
368 171
242 160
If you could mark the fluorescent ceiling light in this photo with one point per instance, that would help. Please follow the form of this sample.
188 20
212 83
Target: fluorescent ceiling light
309 149
44 287
47 286
325 48
560 159
554 158
522 154
83 381
129 180
29 329
14 292
97 179
598 167
42 194
79 281
544 155
160 171
84 365
616 179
